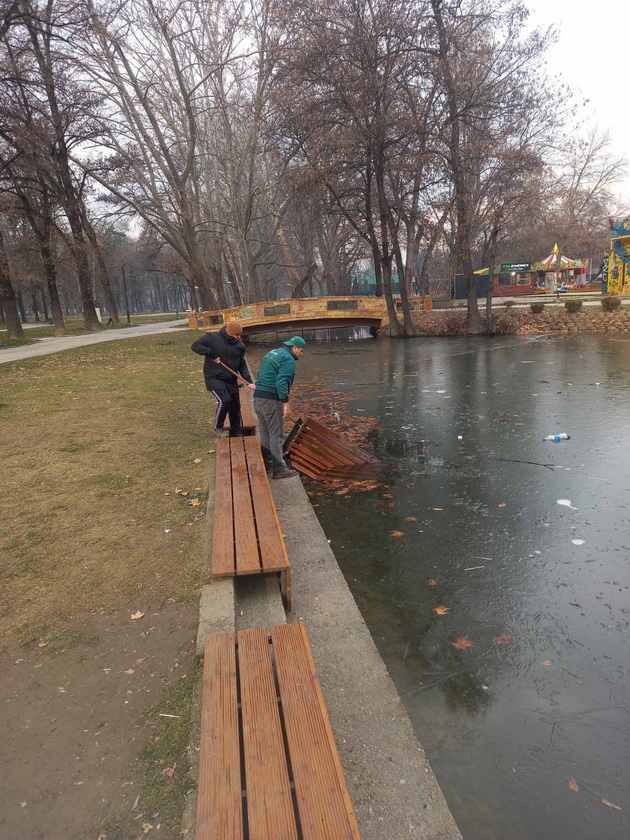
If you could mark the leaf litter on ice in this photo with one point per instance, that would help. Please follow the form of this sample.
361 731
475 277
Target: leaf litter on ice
397 533
462 642
573 785
441 610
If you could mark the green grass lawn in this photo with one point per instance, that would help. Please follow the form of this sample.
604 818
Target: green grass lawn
95 443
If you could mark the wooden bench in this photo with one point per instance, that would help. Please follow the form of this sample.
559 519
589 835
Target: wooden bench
248 417
268 764
247 538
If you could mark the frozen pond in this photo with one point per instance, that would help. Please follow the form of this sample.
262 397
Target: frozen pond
519 689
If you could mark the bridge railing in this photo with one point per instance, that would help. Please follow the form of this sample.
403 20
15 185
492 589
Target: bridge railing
296 309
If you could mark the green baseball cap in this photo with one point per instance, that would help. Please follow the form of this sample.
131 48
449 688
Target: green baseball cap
296 341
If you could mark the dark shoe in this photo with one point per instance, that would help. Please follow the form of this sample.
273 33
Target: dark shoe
285 474
221 433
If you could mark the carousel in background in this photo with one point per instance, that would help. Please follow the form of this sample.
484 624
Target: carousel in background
557 272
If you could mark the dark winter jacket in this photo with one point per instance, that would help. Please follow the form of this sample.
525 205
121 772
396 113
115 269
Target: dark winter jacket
230 350
276 375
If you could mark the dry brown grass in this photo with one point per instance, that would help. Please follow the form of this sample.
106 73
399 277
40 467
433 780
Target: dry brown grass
93 444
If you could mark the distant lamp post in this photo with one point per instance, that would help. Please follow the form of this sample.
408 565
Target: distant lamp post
122 269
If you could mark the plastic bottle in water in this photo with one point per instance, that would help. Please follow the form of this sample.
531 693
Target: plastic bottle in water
557 438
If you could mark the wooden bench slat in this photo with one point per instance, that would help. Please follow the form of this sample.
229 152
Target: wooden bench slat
219 810
270 812
245 538
248 416
222 557
325 810
273 553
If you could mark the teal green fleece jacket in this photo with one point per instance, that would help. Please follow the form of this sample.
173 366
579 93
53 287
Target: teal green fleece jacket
277 373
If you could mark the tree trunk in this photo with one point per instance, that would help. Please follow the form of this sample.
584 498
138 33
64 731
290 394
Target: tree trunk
492 258
106 286
34 304
459 175
20 303
7 296
79 253
44 303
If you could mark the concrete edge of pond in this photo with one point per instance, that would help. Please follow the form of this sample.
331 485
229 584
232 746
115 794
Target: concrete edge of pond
393 789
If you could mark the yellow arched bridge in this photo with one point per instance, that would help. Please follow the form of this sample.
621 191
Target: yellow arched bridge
305 313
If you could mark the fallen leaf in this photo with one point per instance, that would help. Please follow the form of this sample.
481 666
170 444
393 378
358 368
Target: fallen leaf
168 772
502 639
441 610
193 502
130 671
391 504
197 461
438 508
611 804
397 533
147 827
135 616
387 496
501 504
410 519
211 451
573 785
343 491
546 663
574 604
462 642
42 644
432 582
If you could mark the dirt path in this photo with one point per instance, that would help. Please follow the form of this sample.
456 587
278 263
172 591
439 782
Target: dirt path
75 719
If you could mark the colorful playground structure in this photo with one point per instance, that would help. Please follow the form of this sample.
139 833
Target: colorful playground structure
616 265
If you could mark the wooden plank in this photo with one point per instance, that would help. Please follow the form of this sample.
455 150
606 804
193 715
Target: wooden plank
245 538
222 556
247 412
219 804
324 806
270 812
273 552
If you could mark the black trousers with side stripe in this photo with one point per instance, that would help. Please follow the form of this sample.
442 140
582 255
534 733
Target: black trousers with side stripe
228 403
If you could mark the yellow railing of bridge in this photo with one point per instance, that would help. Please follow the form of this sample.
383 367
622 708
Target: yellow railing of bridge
323 310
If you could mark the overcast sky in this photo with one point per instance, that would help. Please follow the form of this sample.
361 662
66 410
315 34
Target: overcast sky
592 57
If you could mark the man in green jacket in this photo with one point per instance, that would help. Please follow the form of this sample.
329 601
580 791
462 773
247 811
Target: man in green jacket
271 403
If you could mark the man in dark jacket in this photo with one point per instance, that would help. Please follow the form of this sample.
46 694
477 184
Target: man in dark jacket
225 346
271 402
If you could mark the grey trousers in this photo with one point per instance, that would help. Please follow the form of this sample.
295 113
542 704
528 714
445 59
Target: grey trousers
271 433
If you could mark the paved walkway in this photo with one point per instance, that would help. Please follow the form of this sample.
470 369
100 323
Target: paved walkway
46 346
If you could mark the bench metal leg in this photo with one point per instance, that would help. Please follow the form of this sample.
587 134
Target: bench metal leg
285 588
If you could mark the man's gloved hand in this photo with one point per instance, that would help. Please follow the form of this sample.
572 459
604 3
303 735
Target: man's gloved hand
251 386
217 361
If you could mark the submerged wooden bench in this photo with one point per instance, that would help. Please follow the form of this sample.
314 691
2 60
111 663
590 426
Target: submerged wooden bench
247 538
268 765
